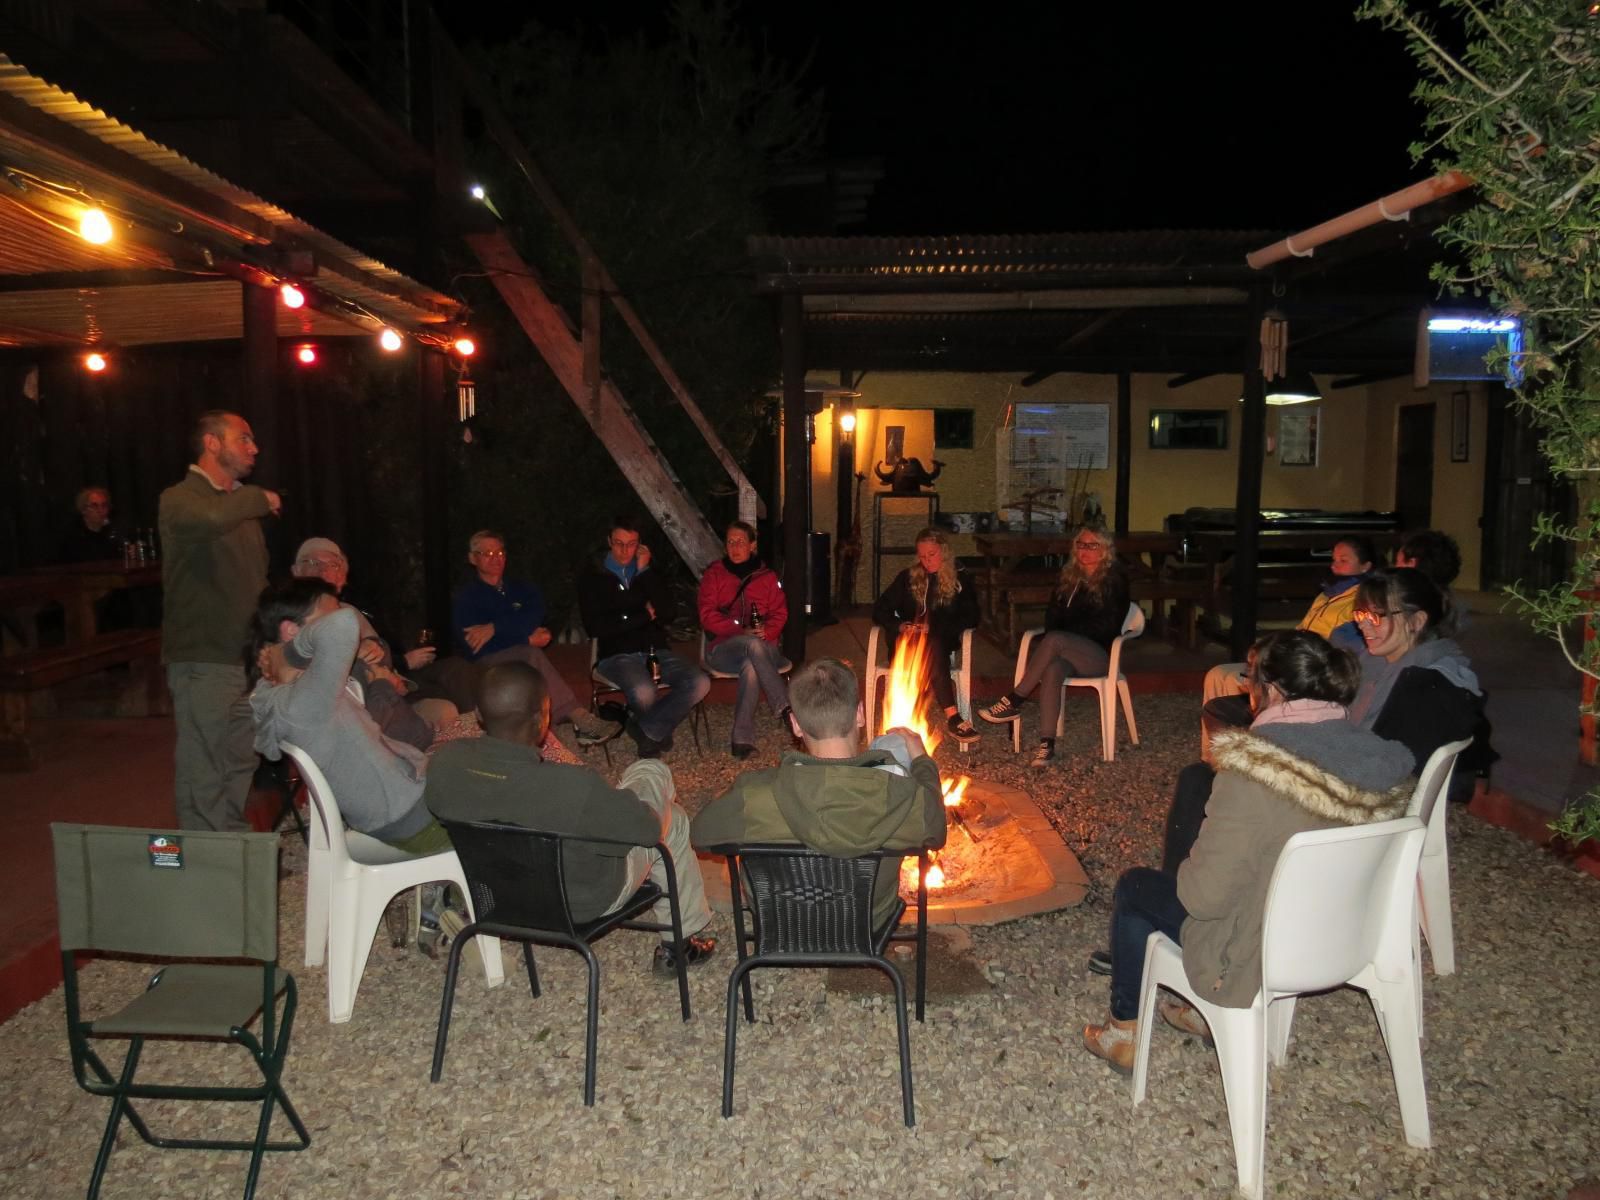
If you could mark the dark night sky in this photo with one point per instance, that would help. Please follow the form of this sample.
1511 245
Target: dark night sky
1007 117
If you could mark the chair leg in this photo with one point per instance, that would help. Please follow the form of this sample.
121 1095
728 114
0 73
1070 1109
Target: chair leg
119 1104
533 973
1241 1053
591 1032
446 1004
1108 723
1396 1006
319 885
902 1026
1280 1017
730 1035
1127 711
1433 910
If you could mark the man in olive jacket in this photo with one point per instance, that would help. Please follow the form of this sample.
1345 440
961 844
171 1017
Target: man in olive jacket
834 799
501 777
214 567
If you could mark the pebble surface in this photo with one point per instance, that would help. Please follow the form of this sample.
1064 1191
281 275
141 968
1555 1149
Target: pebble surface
1008 1104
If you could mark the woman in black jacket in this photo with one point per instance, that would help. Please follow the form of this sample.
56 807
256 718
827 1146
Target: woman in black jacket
1085 616
934 598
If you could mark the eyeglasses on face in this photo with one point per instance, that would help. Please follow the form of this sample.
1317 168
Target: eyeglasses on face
1369 616
490 553
624 543
1096 547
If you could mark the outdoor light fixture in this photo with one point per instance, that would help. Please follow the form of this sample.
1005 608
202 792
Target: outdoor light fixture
847 421
292 296
95 362
307 354
1297 387
477 191
390 340
94 226
464 346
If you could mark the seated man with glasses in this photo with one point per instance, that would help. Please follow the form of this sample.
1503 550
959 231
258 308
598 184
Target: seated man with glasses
626 607
496 620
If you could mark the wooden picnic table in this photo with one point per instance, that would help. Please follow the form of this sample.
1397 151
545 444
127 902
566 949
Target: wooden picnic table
76 587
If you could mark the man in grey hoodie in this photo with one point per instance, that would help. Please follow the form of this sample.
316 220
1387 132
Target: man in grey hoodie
305 646
833 798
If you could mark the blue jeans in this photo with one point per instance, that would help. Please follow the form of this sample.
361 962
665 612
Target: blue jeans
760 667
1145 902
658 712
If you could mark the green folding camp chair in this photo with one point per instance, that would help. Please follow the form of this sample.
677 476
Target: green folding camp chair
179 895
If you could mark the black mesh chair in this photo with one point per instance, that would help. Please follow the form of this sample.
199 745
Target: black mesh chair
814 910
179 896
519 892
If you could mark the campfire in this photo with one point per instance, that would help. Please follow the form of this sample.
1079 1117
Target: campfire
908 704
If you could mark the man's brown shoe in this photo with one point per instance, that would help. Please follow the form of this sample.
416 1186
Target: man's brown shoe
1114 1042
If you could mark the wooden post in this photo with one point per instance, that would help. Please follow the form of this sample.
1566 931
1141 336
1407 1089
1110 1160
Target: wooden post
796 476
259 376
1124 446
438 562
1247 499
844 473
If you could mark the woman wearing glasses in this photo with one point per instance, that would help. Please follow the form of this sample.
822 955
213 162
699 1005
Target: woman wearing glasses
1417 686
933 597
1085 616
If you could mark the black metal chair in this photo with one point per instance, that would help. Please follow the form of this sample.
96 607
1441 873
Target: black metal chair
179 896
813 910
519 892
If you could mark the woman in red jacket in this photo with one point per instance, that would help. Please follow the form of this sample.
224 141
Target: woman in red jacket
743 612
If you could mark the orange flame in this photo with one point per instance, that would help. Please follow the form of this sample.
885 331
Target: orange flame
935 876
908 873
907 701
955 789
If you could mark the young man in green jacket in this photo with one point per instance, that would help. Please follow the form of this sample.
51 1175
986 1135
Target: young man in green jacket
214 567
834 798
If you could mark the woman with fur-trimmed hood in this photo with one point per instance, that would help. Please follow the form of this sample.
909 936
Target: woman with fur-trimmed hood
1302 765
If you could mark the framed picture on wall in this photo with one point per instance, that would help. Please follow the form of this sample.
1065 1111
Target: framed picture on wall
1297 437
894 443
1460 426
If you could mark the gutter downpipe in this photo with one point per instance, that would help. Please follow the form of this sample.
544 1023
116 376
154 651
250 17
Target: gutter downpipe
1396 206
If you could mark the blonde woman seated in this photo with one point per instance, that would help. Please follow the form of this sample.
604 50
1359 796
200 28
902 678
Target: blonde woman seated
934 598
1332 615
1085 616
1302 765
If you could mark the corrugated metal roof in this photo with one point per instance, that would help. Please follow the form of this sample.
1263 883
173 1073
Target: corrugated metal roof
31 243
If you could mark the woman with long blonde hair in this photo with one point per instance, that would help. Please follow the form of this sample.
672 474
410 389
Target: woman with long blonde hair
932 596
1085 615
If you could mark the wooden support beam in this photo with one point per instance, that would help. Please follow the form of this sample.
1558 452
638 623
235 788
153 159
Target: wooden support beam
593 311
614 421
1124 447
1247 497
796 476
439 564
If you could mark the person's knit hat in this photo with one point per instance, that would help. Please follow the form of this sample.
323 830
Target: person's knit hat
313 548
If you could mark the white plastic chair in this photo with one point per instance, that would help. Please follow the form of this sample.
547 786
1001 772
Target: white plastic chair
1433 872
1340 911
350 879
960 675
1107 688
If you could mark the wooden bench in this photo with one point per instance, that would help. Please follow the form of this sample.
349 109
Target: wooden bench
36 670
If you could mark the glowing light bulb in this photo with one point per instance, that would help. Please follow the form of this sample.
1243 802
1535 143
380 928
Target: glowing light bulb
477 191
307 355
292 296
95 362
847 422
465 346
94 226
390 340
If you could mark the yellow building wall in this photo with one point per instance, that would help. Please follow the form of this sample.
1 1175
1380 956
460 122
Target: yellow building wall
1354 469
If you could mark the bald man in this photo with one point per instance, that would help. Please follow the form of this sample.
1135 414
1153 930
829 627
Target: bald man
502 777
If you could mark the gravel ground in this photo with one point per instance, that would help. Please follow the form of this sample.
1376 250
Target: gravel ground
1007 1102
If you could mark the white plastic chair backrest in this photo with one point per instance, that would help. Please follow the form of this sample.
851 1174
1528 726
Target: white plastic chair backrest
327 827
1434 782
1132 627
1332 902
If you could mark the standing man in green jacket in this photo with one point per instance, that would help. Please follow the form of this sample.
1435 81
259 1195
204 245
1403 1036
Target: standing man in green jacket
214 567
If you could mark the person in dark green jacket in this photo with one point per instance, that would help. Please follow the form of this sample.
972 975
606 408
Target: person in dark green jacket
832 798
502 777
214 567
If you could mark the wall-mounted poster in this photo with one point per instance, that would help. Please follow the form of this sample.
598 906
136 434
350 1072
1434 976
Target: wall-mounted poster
1083 430
894 443
1297 437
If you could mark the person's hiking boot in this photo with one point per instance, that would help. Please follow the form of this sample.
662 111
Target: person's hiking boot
1002 712
1100 962
398 918
1113 1042
743 750
1185 1018
696 950
451 923
962 730
591 730
1043 755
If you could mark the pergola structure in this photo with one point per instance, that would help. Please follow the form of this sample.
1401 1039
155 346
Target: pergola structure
1182 303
